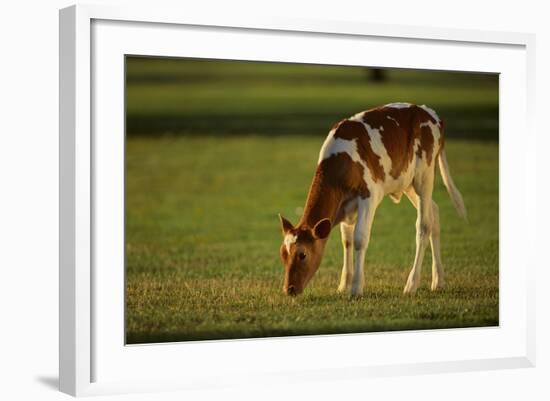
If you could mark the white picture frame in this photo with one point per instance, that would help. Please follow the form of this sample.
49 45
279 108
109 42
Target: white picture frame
93 356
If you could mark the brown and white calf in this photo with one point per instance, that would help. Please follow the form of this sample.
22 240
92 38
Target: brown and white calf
389 150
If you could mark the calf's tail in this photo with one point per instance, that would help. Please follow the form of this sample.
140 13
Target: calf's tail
456 197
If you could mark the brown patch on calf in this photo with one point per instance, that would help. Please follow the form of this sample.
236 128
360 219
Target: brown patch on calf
426 143
354 130
396 133
340 170
350 130
335 178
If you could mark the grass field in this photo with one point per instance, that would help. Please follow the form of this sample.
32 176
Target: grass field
215 151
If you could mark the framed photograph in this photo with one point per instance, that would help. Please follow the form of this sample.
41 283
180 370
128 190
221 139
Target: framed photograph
264 192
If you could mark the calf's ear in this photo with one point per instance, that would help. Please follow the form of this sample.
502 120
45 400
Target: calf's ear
285 224
322 229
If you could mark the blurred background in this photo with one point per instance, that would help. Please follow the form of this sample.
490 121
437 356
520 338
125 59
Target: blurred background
215 149
194 97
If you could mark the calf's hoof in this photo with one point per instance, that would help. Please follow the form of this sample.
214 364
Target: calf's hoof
437 285
356 291
411 286
342 289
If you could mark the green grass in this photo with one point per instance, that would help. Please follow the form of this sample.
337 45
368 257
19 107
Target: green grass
202 197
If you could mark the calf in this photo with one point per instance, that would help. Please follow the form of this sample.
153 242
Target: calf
390 150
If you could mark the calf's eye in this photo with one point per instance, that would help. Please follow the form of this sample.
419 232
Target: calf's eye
302 255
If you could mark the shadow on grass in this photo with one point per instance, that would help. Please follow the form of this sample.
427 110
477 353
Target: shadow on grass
137 338
479 123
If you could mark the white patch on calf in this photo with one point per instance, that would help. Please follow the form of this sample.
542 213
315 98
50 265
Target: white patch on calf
431 113
333 146
325 149
289 240
393 119
378 147
399 105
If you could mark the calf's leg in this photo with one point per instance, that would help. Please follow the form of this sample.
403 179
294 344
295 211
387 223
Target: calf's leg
361 236
424 223
437 266
347 270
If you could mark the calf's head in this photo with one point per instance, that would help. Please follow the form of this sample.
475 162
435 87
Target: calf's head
301 252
